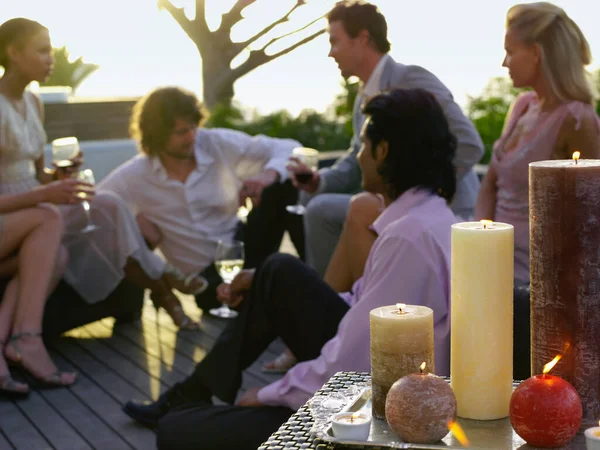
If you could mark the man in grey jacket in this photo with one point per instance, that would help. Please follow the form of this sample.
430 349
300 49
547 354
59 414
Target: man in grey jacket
359 45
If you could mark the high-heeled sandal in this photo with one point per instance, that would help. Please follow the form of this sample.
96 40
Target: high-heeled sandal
192 284
9 388
175 311
50 381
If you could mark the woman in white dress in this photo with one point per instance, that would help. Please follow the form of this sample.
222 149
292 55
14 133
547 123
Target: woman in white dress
30 239
99 260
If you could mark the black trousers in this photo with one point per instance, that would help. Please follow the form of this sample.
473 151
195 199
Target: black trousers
521 333
287 300
262 235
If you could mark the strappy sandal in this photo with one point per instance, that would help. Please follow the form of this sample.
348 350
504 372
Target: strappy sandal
9 388
284 362
192 284
175 311
50 381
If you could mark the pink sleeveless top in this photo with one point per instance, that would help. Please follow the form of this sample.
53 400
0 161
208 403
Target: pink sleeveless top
512 168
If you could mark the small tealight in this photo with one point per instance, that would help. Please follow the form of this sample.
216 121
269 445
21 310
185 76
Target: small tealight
592 438
351 426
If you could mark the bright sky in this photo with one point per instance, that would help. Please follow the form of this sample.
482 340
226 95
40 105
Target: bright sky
139 47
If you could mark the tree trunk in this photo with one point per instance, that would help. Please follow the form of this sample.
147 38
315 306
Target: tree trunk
217 85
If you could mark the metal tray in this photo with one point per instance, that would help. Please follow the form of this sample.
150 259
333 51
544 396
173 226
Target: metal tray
492 434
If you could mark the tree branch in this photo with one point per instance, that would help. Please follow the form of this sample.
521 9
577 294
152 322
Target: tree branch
241 46
278 38
201 25
259 57
229 19
179 15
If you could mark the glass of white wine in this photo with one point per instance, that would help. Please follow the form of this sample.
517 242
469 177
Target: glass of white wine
310 158
87 176
64 152
244 210
229 261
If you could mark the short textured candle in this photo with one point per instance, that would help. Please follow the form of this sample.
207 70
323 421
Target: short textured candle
400 342
564 212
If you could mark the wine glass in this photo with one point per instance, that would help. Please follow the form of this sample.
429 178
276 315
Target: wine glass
88 176
64 151
309 157
229 261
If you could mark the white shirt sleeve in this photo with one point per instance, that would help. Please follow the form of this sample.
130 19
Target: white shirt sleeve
118 181
251 155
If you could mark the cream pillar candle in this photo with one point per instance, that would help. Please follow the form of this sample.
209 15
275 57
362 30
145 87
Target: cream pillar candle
401 340
482 318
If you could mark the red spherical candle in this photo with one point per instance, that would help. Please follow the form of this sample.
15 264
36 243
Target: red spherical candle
545 410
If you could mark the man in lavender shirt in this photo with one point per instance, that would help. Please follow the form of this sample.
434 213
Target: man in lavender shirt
406 156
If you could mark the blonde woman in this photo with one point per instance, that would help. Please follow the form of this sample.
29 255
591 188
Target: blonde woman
545 51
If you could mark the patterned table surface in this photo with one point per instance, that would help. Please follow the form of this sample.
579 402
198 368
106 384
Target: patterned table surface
295 433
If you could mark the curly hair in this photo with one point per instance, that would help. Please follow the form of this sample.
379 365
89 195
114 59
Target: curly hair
17 32
357 15
153 117
421 147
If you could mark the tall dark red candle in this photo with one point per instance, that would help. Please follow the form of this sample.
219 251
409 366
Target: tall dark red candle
564 223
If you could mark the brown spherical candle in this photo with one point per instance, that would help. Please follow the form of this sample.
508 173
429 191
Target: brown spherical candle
419 407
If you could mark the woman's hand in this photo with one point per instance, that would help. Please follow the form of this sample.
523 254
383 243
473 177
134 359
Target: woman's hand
64 192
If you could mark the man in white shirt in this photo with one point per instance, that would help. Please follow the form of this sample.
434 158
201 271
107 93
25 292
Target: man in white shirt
187 184
406 157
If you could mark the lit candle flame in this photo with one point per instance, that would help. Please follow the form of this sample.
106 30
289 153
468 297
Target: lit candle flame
548 367
576 156
354 416
486 223
422 367
401 307
458 433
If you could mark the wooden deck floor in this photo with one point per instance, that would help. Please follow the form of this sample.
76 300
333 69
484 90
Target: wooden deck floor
116 364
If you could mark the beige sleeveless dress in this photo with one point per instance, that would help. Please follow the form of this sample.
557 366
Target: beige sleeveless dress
96 259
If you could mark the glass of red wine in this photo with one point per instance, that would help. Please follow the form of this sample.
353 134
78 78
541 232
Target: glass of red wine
310 158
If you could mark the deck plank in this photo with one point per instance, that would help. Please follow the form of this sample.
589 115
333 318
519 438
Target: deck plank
116 364
91 411
4 444
108 379
51 424
19 430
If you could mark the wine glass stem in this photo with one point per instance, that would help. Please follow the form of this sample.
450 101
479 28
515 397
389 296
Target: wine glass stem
86 208
224 306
